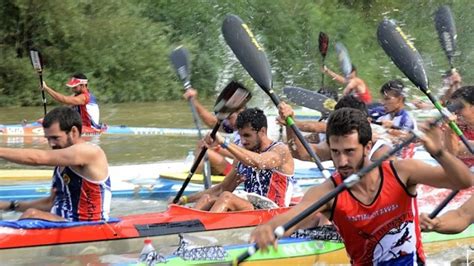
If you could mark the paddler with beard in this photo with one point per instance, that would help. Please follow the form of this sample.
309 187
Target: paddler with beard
377 217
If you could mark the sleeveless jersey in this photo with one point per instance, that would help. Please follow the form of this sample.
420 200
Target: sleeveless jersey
269 183
385 232
89 112
366 97
80 199
468 159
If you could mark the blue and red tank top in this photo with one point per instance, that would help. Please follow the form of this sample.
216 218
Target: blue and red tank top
385 232
269 183
80 199
89 112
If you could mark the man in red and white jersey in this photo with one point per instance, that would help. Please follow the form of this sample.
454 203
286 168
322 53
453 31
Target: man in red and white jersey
82 101
81 183
377 218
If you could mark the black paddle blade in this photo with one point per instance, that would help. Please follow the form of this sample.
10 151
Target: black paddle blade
36 60
232 98
403 53
323 43
247 50
444 23
310 99
180 60
344 59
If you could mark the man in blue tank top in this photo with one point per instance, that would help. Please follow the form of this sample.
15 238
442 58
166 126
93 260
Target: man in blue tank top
81 184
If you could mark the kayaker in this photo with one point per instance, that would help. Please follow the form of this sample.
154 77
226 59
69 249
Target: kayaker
377 217
452 81
217 156
393 100
466 124
354 84
81 183
83 101
264 166
451 222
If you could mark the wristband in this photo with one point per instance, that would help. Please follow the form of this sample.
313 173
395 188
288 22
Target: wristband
184 199
226 143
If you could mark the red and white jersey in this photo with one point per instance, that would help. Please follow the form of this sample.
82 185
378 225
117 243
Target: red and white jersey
89 112
385 232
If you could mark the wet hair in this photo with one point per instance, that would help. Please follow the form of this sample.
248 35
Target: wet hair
354 68
79 76
394 86
350 101
465 93
65 116
343 121
253 117
328 92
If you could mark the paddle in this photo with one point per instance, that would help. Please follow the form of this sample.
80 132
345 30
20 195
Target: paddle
253 58
180 59
348 182
37 62
310 99
444 23
408 60
323 50
344 59
232 98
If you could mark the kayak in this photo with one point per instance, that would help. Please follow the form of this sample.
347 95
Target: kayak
36 129
308 251
38 238
41 238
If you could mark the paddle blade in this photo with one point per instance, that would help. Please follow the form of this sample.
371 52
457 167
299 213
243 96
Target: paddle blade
232 98
444 23
310 99
247 50
402 52
323 43
36 60
180 60
344 59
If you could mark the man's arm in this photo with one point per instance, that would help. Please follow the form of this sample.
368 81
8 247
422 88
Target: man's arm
264 235
78 154
452 173
43 204
266 160
80 99
451 222
311 126
207 117
299 152
334 76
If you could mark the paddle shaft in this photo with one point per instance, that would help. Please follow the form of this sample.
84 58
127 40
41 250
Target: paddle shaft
43 96
207 167
299 135
348 182
195 165
443 204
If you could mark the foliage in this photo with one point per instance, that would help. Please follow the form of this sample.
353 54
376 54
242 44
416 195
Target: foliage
123 46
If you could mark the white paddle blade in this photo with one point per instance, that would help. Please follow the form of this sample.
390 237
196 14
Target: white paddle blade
36 60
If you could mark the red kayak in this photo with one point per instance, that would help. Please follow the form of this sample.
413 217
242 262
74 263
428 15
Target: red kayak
38 237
